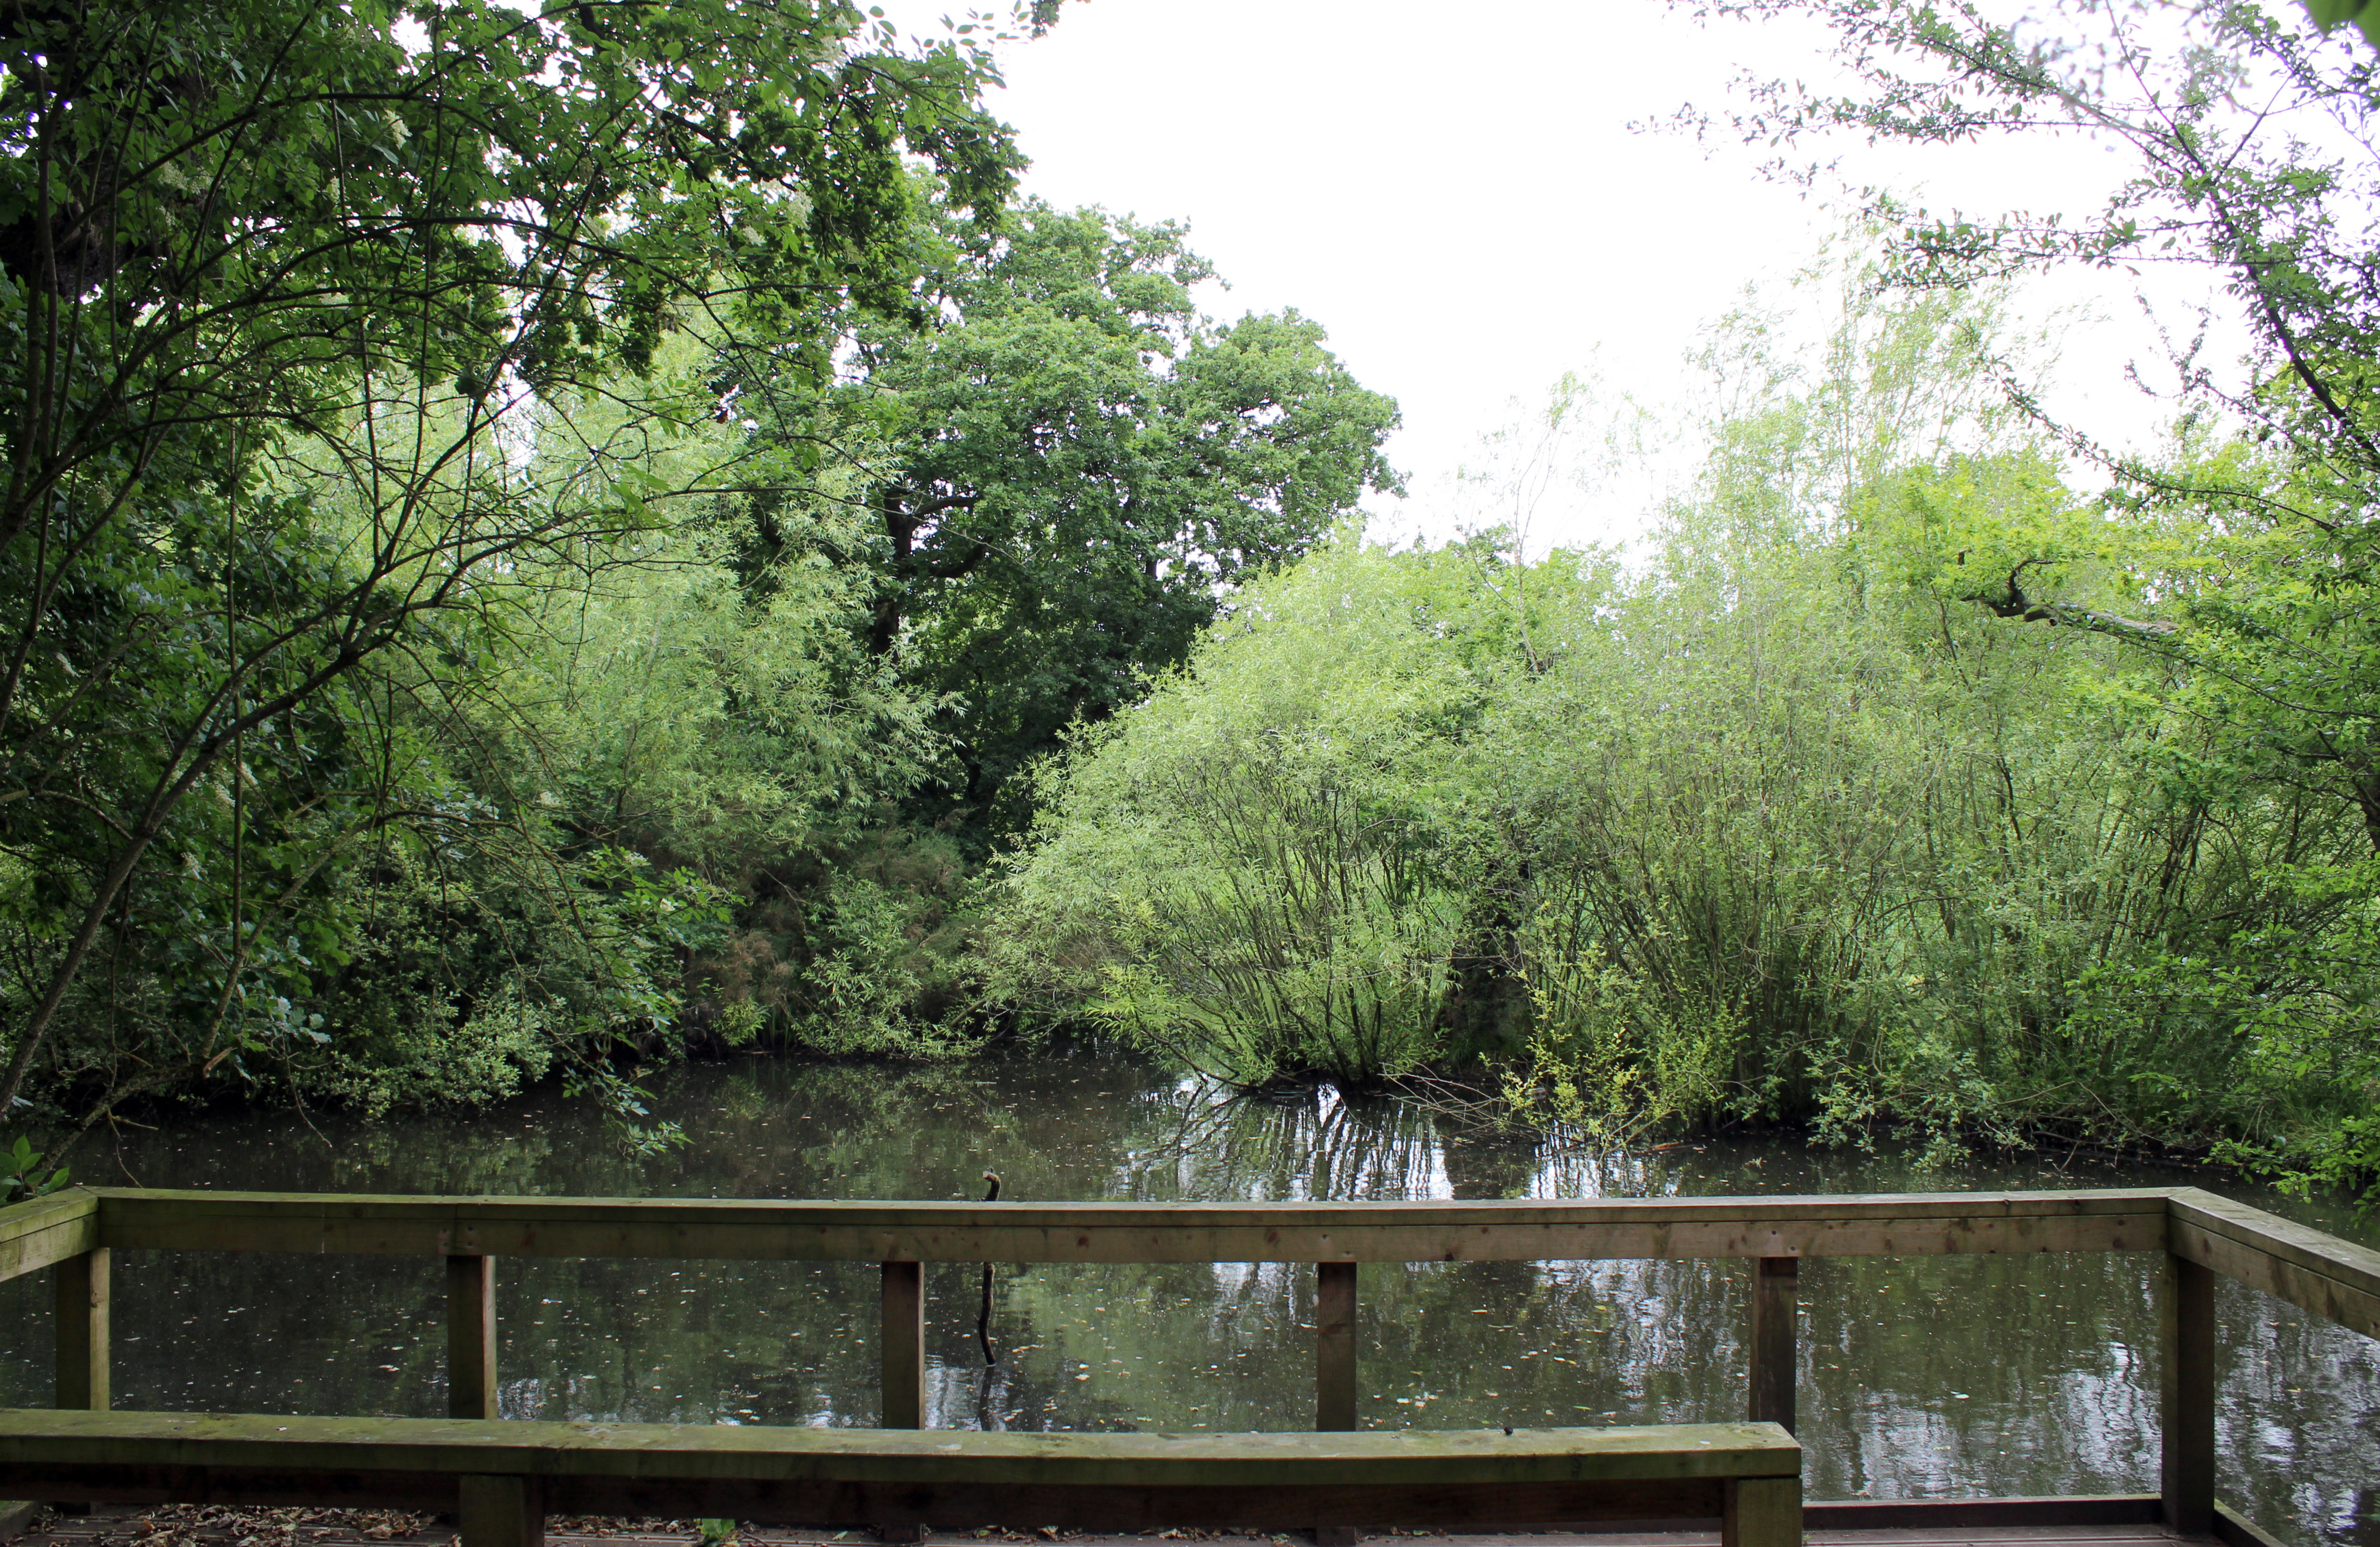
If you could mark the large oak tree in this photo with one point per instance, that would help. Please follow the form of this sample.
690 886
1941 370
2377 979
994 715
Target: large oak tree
1077 464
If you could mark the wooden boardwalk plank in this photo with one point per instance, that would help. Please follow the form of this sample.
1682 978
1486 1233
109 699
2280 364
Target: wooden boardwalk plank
44 1438
1747 1474
191 1526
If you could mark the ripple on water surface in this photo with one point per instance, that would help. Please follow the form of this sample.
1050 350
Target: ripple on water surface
1920 1376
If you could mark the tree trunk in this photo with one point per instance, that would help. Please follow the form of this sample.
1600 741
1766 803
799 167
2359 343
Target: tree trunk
94 918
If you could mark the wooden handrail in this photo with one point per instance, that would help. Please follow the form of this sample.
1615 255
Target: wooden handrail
1515 1230
2315 1271
2199 1235
41 1231
2309 1269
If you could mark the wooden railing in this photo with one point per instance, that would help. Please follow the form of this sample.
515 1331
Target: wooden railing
2197 1234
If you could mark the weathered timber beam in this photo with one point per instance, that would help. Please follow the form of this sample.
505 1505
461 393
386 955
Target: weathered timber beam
1335 1387
2235 1530
84 1296
2030 1513
1154 1507
1932 1516
42 1232
538 1448
1521 1230
2311 1270
808 1476
471 1337
827 1505
1776 1359
901 1346
893 1477
1762 1512
501 1512
2186 1309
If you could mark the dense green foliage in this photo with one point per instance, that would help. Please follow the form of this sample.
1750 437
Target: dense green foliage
477 603
1776 825
536 543
2245 148
1903 782
1052 486
1074 464
2330 13
336 334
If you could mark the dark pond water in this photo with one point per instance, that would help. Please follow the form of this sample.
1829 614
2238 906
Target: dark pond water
1920 1376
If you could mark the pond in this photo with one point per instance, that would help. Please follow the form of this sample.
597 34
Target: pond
1921 1377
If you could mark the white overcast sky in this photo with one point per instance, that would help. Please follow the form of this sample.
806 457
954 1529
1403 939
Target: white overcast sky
1455 193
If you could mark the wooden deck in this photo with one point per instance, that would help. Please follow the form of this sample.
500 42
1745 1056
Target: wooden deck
72 1234
210 1526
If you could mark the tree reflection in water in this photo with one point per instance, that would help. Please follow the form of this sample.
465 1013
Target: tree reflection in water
1920 1376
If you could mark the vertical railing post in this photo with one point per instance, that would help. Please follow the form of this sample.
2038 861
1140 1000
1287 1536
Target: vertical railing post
472 1336
82 1295
1334 1368
1761 1512
82 1338
1334 1345
903 1377
1776 1311
82 1283
2188 1469
904 1346
500 1512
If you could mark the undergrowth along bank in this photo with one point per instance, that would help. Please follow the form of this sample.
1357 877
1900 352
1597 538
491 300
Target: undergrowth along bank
1783 821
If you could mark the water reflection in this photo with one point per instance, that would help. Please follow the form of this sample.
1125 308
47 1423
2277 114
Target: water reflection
1920 1376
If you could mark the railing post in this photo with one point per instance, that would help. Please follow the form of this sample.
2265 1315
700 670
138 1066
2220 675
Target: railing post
1761 1512
1776 1310
2188 1470
904 1346
1334 1368
81 1284
501 1512
1334 1345
903 1339
472 1336
82 1295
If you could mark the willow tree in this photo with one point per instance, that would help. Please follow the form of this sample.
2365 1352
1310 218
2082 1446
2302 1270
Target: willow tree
2244 147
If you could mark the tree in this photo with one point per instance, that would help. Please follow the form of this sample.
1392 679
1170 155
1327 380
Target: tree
1767 826
2246 563
2248 144
1248 872
1078 464
282 285
2330 14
